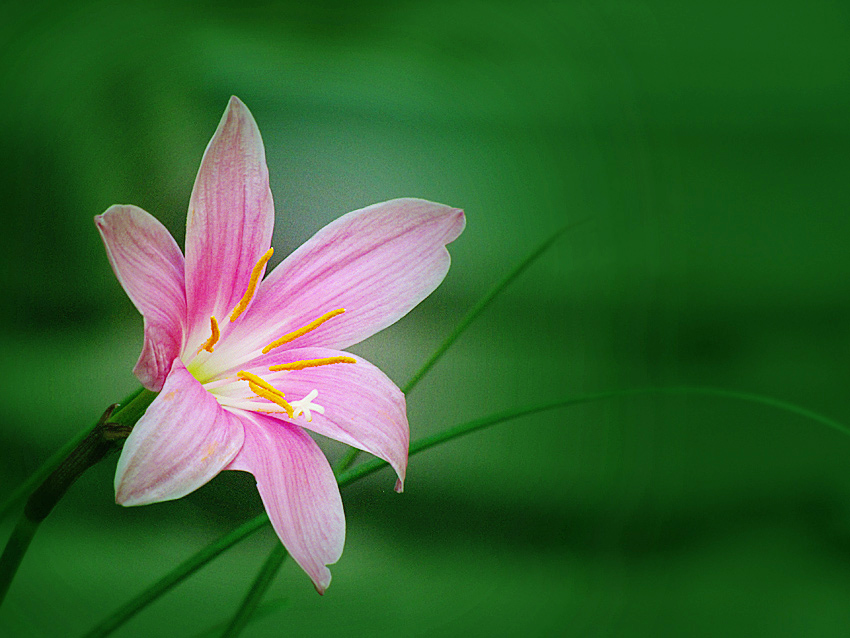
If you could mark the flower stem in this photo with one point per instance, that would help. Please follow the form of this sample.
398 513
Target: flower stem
485 301
12 556
192 564
346 461
176 576
87 451
27 487
266 609
258 589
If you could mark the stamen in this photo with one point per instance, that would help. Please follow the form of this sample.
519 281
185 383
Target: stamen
271 396
311 363
209 343
252 285
250 377
290 336
266 390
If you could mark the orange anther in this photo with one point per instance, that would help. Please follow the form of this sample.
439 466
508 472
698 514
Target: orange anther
214 337
291 336
266 390
311 363
256 273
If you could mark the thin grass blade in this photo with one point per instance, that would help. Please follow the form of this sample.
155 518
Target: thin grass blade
192 564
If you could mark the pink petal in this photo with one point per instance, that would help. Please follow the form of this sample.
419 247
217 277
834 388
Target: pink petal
184 439
299 492
149 266
230 220
363 407
377 263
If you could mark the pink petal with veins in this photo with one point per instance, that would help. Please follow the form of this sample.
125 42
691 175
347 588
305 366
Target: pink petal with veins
230 220
149 266
377 263
299 492
362 406
184 439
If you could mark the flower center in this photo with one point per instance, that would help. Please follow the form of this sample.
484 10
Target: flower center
230 390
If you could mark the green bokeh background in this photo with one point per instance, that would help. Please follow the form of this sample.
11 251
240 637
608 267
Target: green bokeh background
706 146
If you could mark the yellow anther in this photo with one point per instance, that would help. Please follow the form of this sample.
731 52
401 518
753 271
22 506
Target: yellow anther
264 389
291 336
250 377
209 343
311 363
271 396
256 273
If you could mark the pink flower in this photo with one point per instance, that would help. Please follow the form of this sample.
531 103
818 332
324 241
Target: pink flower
244 363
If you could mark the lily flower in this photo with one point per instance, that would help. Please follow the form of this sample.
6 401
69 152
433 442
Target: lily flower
244 365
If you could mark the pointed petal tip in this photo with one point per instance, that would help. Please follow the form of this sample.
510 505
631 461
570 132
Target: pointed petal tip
399 486
322 583
236 115
459 225
102 219
238 108
123 498
230 221
460 215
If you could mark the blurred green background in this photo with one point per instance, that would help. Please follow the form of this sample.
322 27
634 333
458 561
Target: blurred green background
705 143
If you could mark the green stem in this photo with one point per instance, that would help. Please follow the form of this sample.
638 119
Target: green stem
266 609
14 552
258 588
750 397
27 487
348 460
189 566
176 576
133 408
485 301
87 451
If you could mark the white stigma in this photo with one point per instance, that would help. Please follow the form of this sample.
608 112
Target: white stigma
303 406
